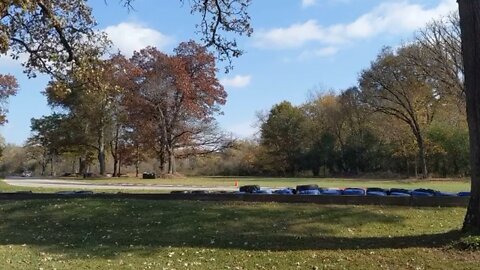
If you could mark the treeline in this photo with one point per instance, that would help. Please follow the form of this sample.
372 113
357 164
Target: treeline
152 105
406 116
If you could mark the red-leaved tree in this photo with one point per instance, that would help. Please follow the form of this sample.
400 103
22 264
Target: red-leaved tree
175 98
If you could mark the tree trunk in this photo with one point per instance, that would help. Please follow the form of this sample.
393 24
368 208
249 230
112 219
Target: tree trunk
119 167
136 168
422 158
101 160
52 166
137 159
44 166
114 152
82 165
416 167
101 151
116 169
171 161
408 167
470 26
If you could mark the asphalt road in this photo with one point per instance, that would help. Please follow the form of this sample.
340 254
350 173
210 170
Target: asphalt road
73 185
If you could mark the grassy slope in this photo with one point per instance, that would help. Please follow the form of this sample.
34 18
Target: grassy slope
127 234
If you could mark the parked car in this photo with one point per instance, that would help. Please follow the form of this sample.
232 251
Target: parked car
27 174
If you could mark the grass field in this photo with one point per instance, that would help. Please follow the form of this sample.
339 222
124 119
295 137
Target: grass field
438 184
4 187
128 234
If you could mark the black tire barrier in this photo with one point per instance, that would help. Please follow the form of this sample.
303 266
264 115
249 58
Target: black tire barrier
180 192
377 189
309 192
147 175
445 194
306 187
249 188
353 192
331 192
399 192
376 192
263 191
285 191
200 192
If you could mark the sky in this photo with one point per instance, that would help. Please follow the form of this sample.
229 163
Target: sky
298 47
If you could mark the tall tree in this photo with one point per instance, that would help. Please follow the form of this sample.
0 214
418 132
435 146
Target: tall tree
180 93
282 136
439 56
395 87
8 87
51 31
91 93
469 11
48 139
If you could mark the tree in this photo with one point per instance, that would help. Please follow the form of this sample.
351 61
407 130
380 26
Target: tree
449 149
469 11
439 56
282 137
14 160
86 94
2 145
134 148
181 94
8 87
50 32
394 87
326 132
90 94
47 142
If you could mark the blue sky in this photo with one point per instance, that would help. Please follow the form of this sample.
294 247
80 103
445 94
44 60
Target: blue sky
299 46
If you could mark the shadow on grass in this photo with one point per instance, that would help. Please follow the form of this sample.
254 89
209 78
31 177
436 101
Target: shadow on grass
106 228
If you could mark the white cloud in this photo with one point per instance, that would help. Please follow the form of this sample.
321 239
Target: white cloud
130 37
322 52
394 17
308 3
327 51
293 36
239 81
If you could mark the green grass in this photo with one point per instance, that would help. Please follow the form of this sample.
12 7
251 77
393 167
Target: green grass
438 184
4 187
135 234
